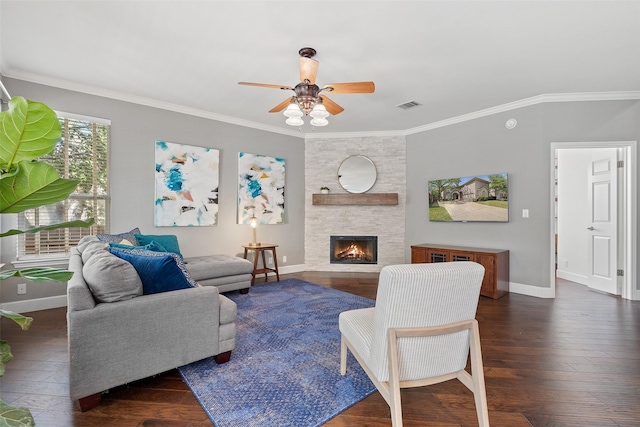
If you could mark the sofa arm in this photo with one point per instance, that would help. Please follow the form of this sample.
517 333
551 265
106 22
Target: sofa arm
116 343
79 296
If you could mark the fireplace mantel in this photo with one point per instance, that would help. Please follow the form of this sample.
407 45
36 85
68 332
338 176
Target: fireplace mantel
362 199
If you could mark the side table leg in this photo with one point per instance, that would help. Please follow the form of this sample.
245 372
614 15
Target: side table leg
255 266
275 264
264 265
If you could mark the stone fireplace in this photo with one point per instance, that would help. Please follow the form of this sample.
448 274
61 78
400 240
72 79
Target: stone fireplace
323 156
353 250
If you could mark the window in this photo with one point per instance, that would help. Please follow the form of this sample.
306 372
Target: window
81 154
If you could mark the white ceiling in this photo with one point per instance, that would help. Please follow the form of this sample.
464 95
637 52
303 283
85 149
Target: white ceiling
453 57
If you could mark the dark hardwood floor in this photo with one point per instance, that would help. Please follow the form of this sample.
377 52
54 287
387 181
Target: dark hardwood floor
572 361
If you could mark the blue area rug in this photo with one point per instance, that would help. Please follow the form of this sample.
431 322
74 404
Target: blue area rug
285 369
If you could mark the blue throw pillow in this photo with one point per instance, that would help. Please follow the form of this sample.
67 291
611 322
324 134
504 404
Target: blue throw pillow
159 271
179 261
117 238
152 246
168 241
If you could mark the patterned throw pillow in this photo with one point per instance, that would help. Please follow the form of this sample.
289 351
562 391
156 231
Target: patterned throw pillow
152 246
118 238
159 271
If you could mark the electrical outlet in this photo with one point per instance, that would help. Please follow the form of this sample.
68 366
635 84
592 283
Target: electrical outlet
22 288
270 260
525 213
566 263
284 258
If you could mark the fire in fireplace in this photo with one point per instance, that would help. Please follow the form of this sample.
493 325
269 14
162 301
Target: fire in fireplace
354 250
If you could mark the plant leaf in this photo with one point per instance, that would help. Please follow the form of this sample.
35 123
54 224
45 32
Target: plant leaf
27 130
68 224
21 320
38 274
33 184
15 417
5 356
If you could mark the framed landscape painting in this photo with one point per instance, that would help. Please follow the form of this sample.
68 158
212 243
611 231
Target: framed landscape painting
260 188
186 181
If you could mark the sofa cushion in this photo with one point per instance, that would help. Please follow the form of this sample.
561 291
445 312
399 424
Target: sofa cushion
159 271
168 241
117 238
213 266
110 278
228 310
85 241
89 245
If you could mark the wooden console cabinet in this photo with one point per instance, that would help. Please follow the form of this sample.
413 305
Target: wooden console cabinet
495 262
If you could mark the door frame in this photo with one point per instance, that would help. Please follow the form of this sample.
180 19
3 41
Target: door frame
628 206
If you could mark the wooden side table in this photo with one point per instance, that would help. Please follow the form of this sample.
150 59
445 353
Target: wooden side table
259 250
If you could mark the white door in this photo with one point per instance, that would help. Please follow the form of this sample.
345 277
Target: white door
602 230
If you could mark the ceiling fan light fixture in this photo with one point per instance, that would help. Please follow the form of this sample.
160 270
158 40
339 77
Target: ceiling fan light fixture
295 121
306 103
319 121
293 110
307 100
319 111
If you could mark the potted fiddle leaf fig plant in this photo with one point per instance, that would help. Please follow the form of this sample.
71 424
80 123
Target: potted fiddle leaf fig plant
28 130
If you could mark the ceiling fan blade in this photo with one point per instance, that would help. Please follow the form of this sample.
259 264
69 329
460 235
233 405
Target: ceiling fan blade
308 69
266 85
331 106
355 87
284 104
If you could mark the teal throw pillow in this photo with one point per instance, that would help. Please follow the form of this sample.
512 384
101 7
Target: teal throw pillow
168 241
152 246
159 271
117 238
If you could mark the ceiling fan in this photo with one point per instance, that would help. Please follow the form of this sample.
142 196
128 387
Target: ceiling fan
307 99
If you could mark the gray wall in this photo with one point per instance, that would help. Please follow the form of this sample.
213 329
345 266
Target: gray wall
484 145
478 146
134 129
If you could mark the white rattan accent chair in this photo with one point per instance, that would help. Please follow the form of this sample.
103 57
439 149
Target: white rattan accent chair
420 332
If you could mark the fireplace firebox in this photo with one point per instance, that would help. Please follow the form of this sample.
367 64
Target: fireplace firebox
354 250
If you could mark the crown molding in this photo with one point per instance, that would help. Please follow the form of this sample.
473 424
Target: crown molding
121 96
361 134
527 102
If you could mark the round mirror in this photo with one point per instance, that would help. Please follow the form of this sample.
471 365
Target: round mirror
357 174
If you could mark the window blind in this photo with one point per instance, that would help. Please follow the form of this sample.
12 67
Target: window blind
81 154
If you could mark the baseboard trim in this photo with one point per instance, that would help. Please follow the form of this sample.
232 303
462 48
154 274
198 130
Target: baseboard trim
288 269
35 304
572 277
532 291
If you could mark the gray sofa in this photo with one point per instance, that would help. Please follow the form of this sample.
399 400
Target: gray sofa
227 273
114 343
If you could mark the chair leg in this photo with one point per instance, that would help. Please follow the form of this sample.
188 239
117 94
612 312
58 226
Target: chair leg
343 355
396 407
394 401
477 371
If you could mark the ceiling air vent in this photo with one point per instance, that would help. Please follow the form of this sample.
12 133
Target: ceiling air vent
408 105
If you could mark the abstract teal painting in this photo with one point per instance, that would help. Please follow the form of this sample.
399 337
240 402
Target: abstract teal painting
260 188
186 179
